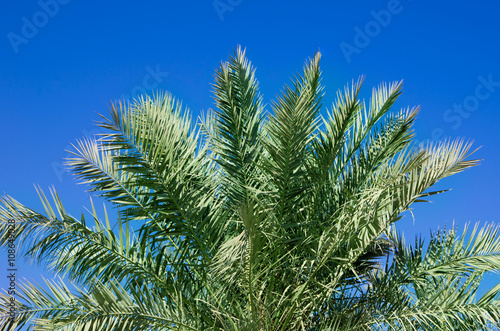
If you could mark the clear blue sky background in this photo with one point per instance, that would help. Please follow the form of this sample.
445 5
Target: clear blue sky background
61 65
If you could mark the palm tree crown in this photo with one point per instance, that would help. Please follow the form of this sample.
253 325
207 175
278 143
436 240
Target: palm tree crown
255 220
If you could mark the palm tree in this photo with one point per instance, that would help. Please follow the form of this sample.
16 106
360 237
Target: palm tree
254 220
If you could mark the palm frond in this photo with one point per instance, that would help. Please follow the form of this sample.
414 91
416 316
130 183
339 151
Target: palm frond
254 220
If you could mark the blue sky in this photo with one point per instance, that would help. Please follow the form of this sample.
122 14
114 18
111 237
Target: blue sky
63 61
